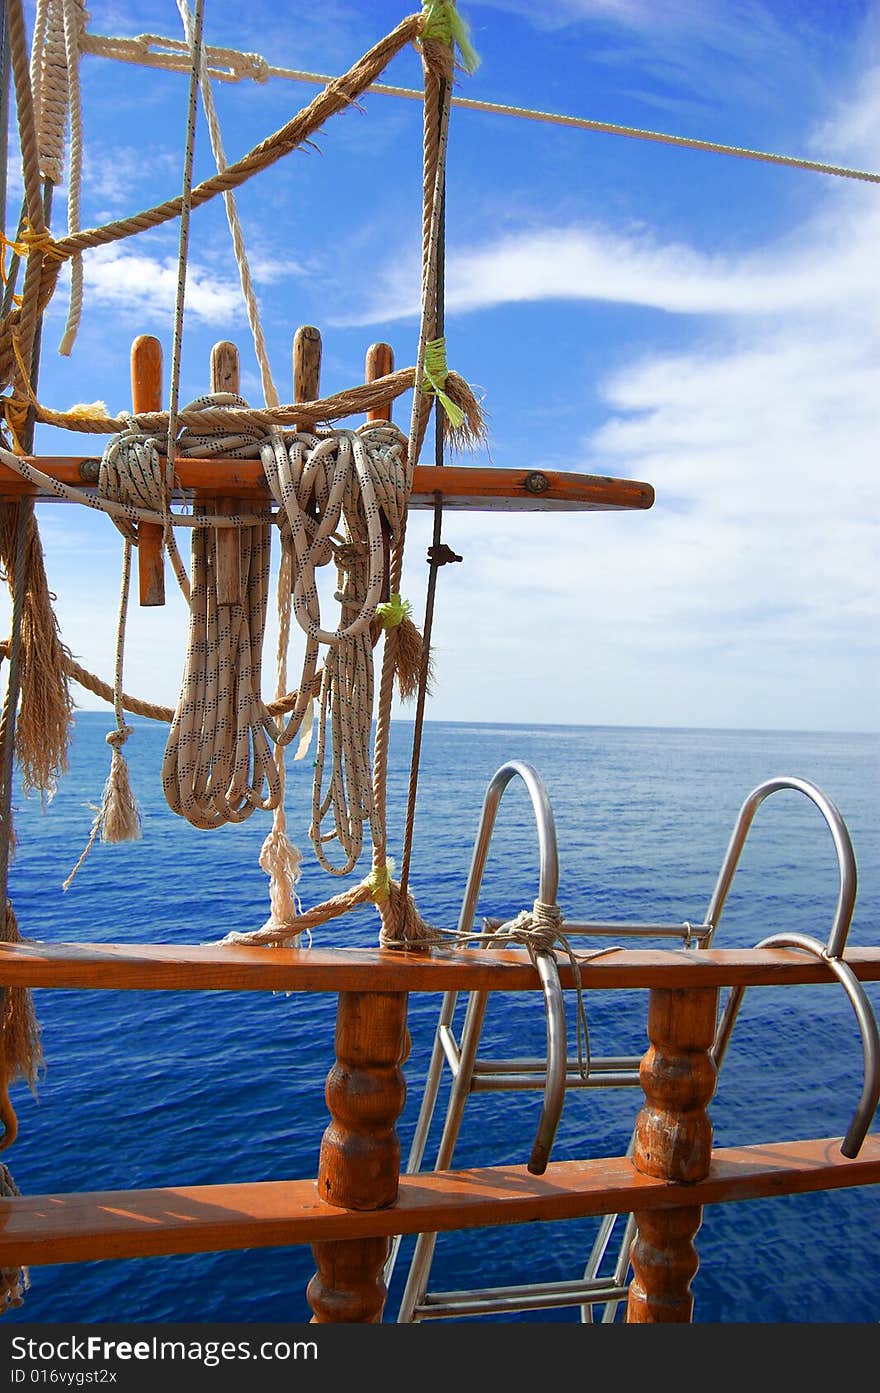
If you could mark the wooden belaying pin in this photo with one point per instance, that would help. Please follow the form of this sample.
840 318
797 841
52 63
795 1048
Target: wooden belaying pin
380 362
225 377
146 395
306 363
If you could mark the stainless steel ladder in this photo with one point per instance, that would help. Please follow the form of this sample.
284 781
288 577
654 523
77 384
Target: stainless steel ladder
555 1076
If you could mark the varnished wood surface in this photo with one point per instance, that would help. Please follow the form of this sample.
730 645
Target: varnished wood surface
209 967
225 377
673 1142
213 1218
146 395
359 1164
462 486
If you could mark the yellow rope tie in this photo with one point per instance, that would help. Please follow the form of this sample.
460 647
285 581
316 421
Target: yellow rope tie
442 22
32 240
393 612
435 374
378 882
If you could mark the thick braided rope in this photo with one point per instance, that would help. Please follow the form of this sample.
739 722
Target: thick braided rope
32 291
46 255
352 401
338 95
435 139
195 37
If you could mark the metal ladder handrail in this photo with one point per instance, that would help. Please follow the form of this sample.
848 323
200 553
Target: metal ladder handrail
548 971
846 860
830 952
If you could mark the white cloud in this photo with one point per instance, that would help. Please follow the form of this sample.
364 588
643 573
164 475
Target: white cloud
146 287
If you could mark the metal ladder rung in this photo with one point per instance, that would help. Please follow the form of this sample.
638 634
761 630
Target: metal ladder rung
540 1296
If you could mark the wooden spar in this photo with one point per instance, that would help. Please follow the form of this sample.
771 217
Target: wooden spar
463 486
146 395
225 377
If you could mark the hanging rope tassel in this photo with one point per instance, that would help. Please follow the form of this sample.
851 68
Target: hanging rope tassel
21 1054
14 1281
282 862
46 708
409 652
119 817
463 423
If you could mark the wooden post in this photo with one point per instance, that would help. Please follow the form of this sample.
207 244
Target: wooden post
380 362
673 1142
306 363
359 1164
225 377
146 395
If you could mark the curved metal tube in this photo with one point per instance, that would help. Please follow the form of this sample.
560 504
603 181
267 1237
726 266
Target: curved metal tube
846 860
548 887
867 1105
548 865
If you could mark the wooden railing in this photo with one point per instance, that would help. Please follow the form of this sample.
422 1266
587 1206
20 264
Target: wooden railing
358 1200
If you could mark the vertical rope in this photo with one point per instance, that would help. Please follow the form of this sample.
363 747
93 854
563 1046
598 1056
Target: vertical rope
183 243
418 724
395 910
270 392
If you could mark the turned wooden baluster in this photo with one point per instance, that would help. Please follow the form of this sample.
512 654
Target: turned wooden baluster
359 1162
146 395
674 1142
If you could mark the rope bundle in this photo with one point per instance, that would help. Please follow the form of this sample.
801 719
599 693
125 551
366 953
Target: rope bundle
218 764
341 496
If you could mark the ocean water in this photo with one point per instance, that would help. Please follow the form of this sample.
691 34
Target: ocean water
160 1088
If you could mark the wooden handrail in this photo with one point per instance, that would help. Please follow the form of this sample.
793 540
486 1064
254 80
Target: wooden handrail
209 967
215 1218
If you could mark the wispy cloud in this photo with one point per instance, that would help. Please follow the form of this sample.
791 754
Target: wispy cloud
145 287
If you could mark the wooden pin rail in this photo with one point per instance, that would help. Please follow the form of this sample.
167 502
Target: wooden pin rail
464 487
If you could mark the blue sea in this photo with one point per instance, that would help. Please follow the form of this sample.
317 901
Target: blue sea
162 1088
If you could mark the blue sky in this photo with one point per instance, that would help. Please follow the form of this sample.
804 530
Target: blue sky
707 324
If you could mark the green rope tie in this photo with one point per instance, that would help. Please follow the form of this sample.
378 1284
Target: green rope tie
442 21
393 612
436 373
378 882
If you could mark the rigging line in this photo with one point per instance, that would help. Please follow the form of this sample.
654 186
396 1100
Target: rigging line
252 66
421 696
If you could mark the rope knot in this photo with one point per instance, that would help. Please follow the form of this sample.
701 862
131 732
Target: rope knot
393 612
436 373
41 240
252 65
378 882
117 738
